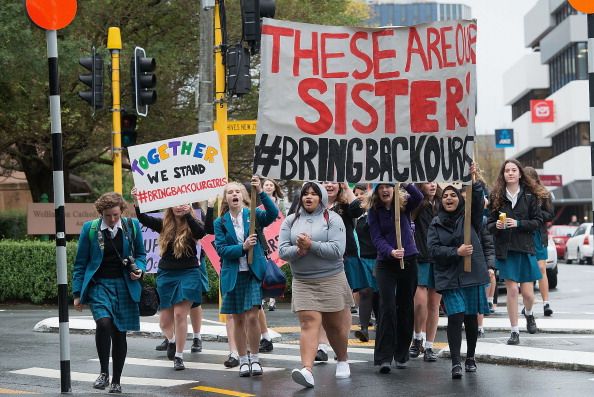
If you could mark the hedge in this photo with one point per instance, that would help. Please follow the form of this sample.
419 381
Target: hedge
13 224
28 272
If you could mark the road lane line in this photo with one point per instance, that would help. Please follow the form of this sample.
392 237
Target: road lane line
263 356
11 391
192 365
222 391
87 377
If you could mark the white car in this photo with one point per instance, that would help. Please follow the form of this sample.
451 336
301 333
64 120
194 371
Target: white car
579 247
552 268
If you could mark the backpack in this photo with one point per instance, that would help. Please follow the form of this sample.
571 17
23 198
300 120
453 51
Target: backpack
127 224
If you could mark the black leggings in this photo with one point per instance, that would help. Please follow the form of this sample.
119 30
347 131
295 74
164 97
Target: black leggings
106 337
454 332
368 301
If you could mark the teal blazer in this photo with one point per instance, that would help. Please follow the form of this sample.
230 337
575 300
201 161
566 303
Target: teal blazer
89 256
230 250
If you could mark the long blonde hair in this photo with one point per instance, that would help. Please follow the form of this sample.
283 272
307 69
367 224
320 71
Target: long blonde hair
176 233
244 194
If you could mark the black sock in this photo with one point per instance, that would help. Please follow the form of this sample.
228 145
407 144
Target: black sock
471 327
103 342
119 351
454 332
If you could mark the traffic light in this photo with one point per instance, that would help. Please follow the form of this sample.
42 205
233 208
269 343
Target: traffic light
94 80
239 80
143 81
128 129
251 13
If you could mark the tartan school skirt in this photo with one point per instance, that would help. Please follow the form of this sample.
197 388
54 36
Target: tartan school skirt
355 273
541 252
203 280
110 298
175 286
368 266
246 294
425 275
467 300
519 267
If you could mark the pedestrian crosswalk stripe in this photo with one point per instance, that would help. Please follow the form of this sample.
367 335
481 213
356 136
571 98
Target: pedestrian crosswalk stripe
189 365
222 391
10 391
293 330
267 356
295 345
87 377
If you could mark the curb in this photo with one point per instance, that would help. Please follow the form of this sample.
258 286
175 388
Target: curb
545 325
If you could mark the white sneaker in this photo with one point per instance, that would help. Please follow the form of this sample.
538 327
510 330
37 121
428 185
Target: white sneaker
343 370
303 377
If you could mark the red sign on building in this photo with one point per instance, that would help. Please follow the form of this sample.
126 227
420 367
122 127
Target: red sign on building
542 110
551 180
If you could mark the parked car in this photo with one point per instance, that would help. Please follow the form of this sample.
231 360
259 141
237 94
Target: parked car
552 268
579 246
560 235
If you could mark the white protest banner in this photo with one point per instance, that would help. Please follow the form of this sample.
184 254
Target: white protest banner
367 105
177 171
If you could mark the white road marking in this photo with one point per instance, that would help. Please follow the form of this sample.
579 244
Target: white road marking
360 350
189 365
264 356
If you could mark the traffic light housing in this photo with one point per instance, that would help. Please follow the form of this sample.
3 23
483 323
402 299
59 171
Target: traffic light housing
128 129
239 80
252 11
93 80
144 81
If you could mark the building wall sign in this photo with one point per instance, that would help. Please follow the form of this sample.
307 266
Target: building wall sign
542 110
551 180
504 138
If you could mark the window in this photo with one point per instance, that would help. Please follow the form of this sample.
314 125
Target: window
536 157
576 135
581 230
563 13
522 105
570 64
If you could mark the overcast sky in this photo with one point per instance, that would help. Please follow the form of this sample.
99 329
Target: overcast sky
500 44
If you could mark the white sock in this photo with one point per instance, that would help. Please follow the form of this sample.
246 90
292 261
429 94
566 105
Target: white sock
254 357
515 329
266 336
179 355
323 347
418 336
197 335
528 312
234 355
481 329
172 340
428 345
490 300
545 303
243 360
423 336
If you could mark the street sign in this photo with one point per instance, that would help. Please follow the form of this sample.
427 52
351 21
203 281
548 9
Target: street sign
51 15
542 110
241 127
551 180
504 138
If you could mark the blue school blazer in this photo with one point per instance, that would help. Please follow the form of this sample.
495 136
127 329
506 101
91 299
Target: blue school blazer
230 250
89 256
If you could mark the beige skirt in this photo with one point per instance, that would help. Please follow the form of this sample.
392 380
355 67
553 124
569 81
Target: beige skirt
326 295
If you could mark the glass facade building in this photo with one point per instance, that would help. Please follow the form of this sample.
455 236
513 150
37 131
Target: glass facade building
400 13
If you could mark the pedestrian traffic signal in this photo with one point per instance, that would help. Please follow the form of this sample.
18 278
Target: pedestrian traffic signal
251 13
94 80
128 129
239 80
143 81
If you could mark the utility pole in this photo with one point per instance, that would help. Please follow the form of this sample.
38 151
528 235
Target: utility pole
114 45
205 86
220 100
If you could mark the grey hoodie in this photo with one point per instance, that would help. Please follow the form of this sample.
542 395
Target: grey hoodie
324 258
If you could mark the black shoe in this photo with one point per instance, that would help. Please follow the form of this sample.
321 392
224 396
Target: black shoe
115 388
416 348
456 371
271 308
196 346
231 362
170 350
162 346
244 370
362 335
470 365
321 356
354 309
256 368
491 308
429 355
266 346
385 368
514 339
102 381
547 310
178 364
531 324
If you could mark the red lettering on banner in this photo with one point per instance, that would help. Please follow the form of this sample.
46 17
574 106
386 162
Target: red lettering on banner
330 55
445 46
276 32
325 121
300 53
361 55
432 47
379 54
460 40
340 104
415 47
454 95
389 89
364 105
421 106
471 39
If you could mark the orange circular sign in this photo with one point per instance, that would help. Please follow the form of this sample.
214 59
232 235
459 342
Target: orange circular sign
51 14
585 6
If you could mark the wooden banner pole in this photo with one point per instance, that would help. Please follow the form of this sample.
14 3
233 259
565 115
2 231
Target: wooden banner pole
397 220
